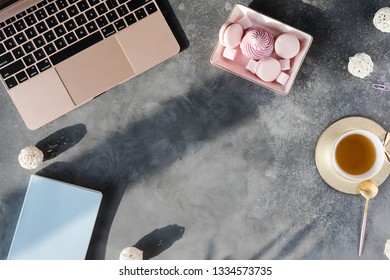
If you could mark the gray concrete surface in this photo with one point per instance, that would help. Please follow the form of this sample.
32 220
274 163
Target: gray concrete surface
214 166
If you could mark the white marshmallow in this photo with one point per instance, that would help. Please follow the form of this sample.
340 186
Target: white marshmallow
229 53
282 78
245 22
252 66
285 63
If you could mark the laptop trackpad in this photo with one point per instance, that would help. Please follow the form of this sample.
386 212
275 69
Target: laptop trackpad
95 70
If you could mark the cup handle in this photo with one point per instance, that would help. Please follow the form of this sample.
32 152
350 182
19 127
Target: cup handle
386 145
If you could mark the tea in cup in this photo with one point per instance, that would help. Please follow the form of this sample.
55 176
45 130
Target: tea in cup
358 155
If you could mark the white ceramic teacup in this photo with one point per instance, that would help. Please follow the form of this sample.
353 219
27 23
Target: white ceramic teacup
377 163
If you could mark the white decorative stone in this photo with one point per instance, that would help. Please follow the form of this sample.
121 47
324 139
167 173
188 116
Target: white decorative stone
382 19
360 65
131 253
387 249
30 157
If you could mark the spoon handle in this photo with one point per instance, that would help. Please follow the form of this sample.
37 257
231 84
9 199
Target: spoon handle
363 231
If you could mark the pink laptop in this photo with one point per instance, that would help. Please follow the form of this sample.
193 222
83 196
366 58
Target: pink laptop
56 55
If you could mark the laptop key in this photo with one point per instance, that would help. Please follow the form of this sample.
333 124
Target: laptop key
40 14
39 54
28 47
49 49
2 36
112 4
83 5
20 25
29 59
120 24
72 10
135 4
30 19
21 77
44 65
112 16
10 20
91 14
130 19
70 25
10 43
61 4
101 8
60 30
140 14
60 43
21 14
2 49
31 32
18 52
6 59
76 48
51 21
93 2
51 8
62 16
108 30
39 41
49 36
20 38
11 69
81 32
81 20
41 27
70 38
91 27
32 71
151 8
9 30
122 10
11 82
32 9
101 21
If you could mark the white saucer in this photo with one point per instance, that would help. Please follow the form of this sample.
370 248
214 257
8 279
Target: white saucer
323 152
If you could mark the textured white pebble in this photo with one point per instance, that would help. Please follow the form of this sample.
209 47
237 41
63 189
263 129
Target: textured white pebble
131 253
30 157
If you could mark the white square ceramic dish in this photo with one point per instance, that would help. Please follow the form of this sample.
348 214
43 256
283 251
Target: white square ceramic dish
237 66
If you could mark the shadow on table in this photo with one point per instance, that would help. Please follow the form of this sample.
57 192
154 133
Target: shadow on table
159 240
61 140
151 144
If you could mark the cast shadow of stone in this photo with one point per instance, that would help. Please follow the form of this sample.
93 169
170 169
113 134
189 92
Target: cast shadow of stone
149 145
159 240
61 141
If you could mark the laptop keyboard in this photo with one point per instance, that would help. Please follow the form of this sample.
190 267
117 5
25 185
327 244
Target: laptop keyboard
54 30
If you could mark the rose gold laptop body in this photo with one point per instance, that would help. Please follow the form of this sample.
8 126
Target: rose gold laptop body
89 73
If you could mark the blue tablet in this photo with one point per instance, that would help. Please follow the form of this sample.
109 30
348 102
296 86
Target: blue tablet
56 221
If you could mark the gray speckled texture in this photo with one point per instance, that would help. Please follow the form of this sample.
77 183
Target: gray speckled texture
230 163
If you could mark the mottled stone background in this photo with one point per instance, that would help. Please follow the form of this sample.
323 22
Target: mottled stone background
210 164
